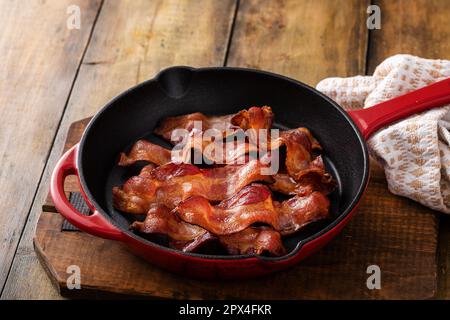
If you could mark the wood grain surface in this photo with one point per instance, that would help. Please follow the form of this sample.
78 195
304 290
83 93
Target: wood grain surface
132 40
307 40
42 82
40 57
418 27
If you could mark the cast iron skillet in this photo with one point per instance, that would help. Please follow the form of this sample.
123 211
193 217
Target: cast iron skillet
216 91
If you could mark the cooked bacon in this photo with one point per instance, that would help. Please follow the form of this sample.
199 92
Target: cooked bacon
299 211
284 183
161 220
191 206
254 118
215 152
195 244
254 204
187 122
190 238
184 236
254 241
132 197
172 183
308 183
300 145
147 151
233 152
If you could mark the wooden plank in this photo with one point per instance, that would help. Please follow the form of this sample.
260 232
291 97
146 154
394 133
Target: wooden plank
38 286
307 40
40 58
133 39
419 28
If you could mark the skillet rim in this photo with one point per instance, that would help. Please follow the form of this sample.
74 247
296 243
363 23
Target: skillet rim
301 243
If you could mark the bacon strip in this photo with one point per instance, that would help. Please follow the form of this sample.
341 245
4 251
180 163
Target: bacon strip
172 183
308 183
255 117
147 151
178 198
300 145
254 204
229 152
190 238
187 122
183 236
299 211
217 152
254 241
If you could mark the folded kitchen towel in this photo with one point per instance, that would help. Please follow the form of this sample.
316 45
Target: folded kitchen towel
414 152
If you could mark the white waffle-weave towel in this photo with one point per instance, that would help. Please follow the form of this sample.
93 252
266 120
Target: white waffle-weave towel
415 152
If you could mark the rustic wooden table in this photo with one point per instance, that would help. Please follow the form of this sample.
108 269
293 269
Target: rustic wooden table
51 76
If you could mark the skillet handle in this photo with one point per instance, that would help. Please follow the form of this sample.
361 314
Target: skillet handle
371 119
94 224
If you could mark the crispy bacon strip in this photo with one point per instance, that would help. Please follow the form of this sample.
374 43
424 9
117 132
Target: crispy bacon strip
284 183
189 238
217 152
147 151
132 197
168 125
255 117
172 183
254 204
308 183
300 145
298 211
189 190
254 241
183 236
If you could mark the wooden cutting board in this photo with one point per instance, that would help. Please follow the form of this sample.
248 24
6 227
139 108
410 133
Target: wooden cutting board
396 234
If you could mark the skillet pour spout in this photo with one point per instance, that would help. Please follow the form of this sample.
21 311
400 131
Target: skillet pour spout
181 90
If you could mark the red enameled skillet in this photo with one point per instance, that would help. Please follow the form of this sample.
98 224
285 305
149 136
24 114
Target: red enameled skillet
181 90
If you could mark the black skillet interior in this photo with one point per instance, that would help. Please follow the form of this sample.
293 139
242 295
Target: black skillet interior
218 91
